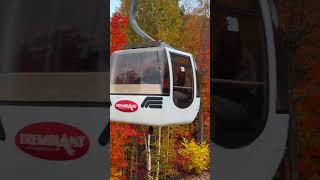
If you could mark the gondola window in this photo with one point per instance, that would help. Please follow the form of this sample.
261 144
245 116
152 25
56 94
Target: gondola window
239 75
140 73
182 80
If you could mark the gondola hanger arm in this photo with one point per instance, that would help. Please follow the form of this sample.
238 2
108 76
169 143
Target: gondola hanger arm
133 22
274 14
135 25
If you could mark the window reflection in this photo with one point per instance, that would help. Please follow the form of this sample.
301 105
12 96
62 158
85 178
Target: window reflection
239 75
45 44
140 72
49 36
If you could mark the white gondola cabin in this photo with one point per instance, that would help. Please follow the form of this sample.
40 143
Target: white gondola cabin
154 86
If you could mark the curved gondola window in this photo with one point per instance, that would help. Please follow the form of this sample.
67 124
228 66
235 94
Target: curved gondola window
50 37
240 74
140 72
48 53
182 80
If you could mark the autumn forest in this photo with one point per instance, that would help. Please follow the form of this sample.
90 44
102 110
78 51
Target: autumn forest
175 151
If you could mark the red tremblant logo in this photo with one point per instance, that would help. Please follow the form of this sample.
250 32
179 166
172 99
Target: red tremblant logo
126 106
52 141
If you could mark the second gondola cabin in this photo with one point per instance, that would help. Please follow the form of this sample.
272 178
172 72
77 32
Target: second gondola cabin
153 85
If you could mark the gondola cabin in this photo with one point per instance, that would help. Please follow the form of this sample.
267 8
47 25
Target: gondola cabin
154 86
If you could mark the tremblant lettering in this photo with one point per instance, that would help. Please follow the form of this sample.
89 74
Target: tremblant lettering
53 141
65 142
126 106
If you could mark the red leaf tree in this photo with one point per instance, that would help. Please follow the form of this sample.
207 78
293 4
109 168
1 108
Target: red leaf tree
119 133
118 37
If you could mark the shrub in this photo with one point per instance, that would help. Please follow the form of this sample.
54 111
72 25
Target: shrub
196 155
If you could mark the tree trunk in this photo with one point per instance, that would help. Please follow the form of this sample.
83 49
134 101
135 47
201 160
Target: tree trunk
131 163
137 154
204 42
159 153
147 146
149 158
167 153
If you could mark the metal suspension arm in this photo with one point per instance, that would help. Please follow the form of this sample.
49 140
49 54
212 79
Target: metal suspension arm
135 25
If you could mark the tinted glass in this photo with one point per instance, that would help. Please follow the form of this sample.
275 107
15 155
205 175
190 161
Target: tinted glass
54 50
52 36
143 71
182 80
239 74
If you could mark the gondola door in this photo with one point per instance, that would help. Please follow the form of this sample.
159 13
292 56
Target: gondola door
249 134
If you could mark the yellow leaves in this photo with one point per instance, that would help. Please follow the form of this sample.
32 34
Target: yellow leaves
197 156
162 20
115 174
